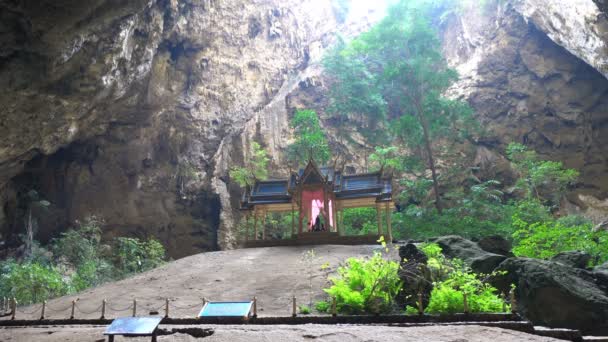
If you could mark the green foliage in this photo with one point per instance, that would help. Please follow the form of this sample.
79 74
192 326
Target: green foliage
310 141
385 158
451 281
366 285
77 246
78 261
359 221
397 68
537 176
322 306
31 282
255 168
304 310
447 296
133 255
545 239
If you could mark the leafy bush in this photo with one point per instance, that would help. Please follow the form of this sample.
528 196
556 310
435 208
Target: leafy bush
451 280
447 295
537 177
304 310
359 221
78 261
31 282
133 255
322 306
366 285
80 245
545 239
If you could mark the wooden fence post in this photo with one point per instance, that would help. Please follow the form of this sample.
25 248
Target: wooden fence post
73 307
103 309
294 312
43 309
166 307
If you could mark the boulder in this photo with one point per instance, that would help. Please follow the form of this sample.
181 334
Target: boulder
575 259
454 246
411 253
496 244
601 275
556 295
416 276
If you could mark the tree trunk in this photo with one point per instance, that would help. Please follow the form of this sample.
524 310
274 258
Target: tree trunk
30 233
429 151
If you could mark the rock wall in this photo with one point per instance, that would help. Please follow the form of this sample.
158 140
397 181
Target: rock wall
533 81
134 110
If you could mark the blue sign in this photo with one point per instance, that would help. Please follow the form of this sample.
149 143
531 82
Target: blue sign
226 309
133 326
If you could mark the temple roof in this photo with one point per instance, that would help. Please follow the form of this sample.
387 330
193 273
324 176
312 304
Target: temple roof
344 187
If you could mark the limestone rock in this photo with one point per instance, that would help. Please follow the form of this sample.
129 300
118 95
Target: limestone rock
468 251
416 277
496 244
556 295
574 259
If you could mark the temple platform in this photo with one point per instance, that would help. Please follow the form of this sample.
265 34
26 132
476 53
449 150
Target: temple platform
315 238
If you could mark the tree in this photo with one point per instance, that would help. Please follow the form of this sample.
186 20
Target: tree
255 168
536 176
33 201
310 142
385 158
396 72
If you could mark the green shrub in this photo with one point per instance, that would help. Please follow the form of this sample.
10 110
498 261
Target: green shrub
133 255
31 282
447 295
304 310
359 221
366 285
322 306
80 245
544 240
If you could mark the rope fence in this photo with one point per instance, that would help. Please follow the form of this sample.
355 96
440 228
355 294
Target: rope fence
8 306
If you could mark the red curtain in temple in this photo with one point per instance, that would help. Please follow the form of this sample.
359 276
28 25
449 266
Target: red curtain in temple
313 204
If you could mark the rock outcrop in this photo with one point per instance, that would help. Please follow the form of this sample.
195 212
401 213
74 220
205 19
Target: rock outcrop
416 276
556 295
468 251
526 69
496 244
134 111
574 259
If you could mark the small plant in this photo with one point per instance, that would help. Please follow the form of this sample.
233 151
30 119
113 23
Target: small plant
304 310
366 285
255 168
322 306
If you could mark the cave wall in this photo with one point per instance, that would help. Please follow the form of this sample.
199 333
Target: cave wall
153 95
526 87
